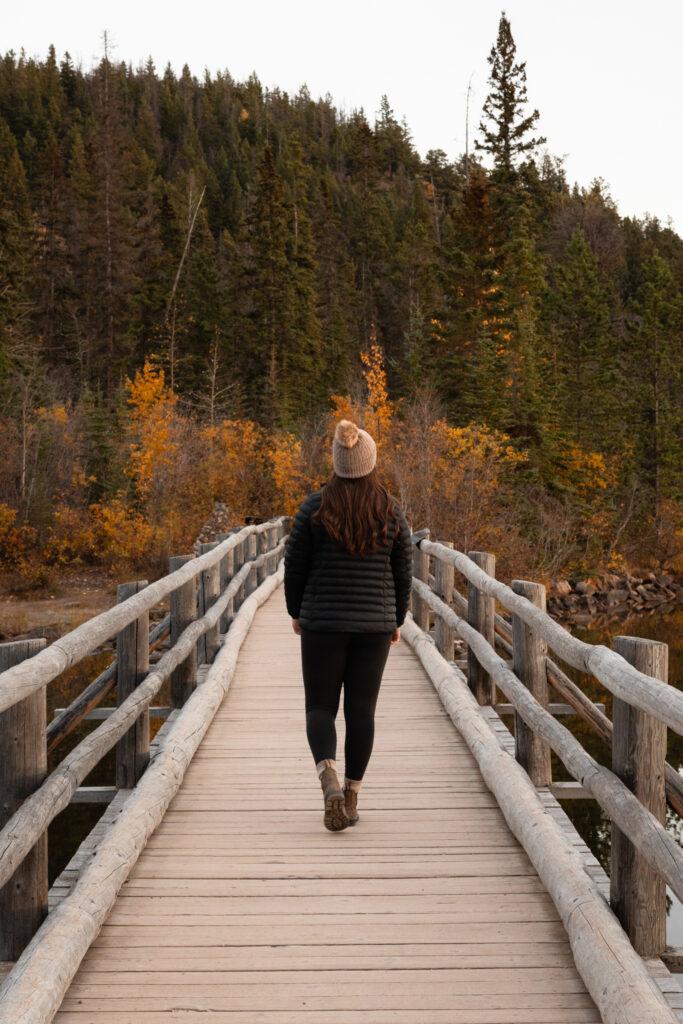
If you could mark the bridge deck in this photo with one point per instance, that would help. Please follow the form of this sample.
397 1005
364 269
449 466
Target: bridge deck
243 908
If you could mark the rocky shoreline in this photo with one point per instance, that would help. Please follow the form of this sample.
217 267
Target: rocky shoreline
616 594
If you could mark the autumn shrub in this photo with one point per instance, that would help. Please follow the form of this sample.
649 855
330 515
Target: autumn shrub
238 466
120 534
71 538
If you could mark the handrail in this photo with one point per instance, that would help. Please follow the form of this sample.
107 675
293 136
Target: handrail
642 691
66 721
651 839
582 705
31 675
53 795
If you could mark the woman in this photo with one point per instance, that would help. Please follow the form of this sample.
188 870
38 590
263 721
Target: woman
348 574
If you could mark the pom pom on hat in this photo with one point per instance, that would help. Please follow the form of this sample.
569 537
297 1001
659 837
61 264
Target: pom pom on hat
346 433
354 452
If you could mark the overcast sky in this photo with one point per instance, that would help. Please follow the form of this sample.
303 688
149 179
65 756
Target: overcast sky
604 74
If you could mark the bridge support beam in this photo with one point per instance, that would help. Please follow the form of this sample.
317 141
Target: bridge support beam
23 766
480 615
132 665
637 893
183 612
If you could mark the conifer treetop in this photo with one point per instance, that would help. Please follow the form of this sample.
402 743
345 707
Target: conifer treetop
504 128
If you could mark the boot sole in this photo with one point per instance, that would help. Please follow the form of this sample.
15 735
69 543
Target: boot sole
335 813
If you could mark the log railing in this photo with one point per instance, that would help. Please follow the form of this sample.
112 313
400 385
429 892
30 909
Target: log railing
205 594
645 856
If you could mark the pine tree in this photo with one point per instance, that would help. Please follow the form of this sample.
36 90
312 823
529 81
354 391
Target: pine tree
655 372
504 128
17 254
578 315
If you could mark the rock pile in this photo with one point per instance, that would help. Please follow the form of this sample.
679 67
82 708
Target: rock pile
611 594
221 520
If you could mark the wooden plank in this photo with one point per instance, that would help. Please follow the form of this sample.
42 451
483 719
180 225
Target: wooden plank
243 908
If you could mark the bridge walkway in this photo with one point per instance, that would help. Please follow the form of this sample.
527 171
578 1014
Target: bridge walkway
243 908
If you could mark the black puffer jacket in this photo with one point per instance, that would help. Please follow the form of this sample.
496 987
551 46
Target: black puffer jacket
328 589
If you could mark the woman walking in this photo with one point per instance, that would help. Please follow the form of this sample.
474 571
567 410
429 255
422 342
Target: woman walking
348 573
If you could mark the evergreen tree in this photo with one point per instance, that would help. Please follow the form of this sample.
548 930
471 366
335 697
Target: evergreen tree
655 372
504 127
584 361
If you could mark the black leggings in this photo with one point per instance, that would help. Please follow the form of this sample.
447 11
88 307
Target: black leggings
357 660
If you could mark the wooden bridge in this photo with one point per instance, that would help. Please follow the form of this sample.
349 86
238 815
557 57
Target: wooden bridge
209 890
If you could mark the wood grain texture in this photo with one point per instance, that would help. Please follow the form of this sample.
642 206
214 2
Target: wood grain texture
21 680
623 680
183 611
132 665
23 766
242 907
637 893
33 990
613 972
647 834
529 653
480 617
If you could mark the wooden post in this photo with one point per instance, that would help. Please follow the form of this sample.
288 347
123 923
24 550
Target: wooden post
637 893
271 560
444 579
183 612
238 561
226 574
529 654
23 766
480 615
250 553
209 590
132 665
261 548
421 572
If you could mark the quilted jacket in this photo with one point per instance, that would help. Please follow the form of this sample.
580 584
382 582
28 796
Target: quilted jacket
328 589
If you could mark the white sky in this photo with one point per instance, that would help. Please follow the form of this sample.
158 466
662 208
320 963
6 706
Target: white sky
605 74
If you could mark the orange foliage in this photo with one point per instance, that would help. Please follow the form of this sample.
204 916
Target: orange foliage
152 446
291 475
236 464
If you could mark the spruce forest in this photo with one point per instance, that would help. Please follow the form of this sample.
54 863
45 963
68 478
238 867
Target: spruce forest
199 277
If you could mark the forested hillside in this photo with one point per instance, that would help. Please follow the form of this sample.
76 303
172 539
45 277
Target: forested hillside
191 270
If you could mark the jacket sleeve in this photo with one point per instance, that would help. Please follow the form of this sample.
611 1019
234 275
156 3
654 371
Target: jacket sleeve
402 568
298 555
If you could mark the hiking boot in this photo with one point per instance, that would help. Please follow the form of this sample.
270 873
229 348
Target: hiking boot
351 803
335 814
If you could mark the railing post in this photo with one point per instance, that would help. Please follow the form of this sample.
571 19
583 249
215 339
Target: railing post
637 893
261 548
132 665
183 612
238 561
23 766
250 554
226 574
529 654
480 615
209 589
444 581
421 572
271 562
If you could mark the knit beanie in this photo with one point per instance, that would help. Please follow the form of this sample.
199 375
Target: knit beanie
353 452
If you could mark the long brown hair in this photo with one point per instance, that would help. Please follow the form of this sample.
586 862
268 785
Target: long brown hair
356 511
